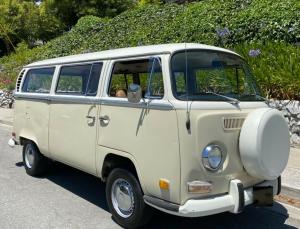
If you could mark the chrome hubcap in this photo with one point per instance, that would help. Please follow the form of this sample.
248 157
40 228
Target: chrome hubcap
122 198
29 158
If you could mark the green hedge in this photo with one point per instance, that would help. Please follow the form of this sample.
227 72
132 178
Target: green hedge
277 68
268 25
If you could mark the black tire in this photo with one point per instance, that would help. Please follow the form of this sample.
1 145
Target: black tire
39 163
141 212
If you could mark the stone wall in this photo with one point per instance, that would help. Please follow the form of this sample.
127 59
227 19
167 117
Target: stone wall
291 112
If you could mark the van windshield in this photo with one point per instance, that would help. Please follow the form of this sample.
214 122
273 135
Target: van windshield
205 75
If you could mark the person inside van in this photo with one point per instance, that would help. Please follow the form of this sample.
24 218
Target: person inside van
121 93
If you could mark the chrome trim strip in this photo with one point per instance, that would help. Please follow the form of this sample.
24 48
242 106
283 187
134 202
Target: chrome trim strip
74 99
119 102
57 98
32 96
147 104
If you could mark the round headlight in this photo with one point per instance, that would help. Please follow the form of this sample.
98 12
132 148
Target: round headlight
212 157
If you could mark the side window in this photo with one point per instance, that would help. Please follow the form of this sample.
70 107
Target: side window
146 72
79 79
38 80
93 83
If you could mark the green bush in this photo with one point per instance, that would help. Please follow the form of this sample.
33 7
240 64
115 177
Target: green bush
272 26
277 68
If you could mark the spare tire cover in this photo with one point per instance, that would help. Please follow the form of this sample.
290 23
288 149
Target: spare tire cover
264 143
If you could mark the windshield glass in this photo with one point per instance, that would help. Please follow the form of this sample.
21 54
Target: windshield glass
204 75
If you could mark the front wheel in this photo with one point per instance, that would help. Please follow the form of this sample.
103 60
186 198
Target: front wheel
125 199
34 162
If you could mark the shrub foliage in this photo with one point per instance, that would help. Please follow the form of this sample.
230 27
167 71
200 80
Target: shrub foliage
272 27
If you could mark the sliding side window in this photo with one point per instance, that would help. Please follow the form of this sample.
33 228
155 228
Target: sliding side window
38 80
79 79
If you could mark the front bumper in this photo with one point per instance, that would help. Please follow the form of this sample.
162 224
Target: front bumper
234 201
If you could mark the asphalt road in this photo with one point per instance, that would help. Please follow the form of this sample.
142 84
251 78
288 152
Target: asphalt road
68 198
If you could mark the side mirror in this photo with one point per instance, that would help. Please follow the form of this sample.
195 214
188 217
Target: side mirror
134 94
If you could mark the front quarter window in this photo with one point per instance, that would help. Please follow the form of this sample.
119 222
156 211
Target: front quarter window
204 75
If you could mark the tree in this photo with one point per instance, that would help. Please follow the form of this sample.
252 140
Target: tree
7 26
24 20
69 11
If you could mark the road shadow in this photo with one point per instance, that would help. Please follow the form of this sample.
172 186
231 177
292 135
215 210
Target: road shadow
251 217
81 184
92 190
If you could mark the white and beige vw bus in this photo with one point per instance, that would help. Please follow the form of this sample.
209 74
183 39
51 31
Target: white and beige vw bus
179 127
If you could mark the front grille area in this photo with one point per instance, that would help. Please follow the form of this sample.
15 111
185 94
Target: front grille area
233 123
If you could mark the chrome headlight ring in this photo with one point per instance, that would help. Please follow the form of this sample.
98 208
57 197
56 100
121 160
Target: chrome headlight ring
213 157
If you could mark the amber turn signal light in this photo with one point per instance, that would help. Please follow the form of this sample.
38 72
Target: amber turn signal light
164 184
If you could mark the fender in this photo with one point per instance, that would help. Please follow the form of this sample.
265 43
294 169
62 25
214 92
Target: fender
102 152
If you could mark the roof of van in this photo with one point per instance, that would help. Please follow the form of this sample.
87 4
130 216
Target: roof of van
125 52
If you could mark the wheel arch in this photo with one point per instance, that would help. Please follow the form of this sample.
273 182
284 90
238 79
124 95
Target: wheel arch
125 161
25 140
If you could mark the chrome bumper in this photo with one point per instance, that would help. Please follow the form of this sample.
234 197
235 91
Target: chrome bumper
234 201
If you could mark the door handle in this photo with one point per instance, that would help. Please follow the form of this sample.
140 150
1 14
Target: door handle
91 120
104 119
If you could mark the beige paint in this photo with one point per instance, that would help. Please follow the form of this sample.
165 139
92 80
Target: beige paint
31 119
151 137
206 128
72 135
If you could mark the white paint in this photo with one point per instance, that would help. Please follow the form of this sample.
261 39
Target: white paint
264 143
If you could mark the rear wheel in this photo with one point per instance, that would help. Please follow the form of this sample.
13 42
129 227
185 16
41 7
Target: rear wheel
125 199
34 162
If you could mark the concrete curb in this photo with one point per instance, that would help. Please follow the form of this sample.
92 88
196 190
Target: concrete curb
289 188
290 191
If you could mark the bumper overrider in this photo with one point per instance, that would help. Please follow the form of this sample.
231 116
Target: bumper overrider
235 201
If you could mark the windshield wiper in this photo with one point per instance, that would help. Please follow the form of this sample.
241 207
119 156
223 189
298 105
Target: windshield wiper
230 100
261 97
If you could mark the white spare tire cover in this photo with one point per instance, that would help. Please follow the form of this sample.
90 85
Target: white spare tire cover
264 143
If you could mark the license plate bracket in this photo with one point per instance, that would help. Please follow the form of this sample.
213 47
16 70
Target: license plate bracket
263 196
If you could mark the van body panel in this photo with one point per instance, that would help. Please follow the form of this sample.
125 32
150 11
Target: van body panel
102 152
19 117
153 143
207 128
72 134
147 131
31 122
